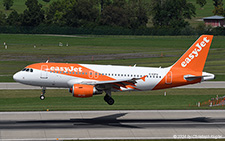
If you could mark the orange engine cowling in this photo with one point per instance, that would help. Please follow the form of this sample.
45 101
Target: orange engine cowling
82 91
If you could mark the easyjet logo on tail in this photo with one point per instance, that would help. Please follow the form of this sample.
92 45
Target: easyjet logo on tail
195 53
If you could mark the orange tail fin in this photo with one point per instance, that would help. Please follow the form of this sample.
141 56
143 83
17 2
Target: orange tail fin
194 58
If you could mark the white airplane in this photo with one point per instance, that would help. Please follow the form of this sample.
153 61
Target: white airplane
85 80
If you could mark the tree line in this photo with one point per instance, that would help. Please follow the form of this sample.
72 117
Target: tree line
85 13
127 14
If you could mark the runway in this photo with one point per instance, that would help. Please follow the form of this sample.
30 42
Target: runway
80 125
206 84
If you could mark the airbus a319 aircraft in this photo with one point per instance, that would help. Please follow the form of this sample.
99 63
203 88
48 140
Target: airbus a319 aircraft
85 80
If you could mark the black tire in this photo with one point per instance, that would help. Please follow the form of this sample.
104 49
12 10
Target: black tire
110 101
106 98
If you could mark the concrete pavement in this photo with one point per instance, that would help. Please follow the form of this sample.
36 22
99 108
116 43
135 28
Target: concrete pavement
135 124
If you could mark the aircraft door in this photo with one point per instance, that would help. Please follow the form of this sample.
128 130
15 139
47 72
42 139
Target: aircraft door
44 72
169 78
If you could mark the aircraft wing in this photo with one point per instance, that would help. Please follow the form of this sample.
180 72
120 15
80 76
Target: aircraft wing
116 84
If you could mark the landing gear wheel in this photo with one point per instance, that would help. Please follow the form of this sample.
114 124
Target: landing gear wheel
42 97
109 100
106 97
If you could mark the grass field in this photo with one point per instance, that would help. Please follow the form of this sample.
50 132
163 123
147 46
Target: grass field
149 51
28 100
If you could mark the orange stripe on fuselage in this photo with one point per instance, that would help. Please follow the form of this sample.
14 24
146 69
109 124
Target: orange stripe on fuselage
177 79
75 70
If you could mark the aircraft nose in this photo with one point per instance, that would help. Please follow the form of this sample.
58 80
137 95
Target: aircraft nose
17 77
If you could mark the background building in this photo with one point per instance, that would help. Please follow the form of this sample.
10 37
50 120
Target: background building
214 21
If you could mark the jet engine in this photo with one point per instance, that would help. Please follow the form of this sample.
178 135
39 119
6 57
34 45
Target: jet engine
82 91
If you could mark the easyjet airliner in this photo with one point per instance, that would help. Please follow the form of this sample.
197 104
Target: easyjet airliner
85 80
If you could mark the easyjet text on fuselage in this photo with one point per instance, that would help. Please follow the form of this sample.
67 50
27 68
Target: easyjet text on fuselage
66 69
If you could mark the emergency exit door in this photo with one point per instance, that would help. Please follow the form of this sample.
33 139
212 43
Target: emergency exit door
44 72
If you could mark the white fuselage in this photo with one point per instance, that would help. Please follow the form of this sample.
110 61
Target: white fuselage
65 79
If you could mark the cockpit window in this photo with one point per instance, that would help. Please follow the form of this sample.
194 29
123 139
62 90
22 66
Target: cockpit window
27 70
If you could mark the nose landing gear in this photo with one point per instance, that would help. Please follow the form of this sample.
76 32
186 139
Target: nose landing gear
42 97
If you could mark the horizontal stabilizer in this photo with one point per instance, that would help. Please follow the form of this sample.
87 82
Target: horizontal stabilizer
204 76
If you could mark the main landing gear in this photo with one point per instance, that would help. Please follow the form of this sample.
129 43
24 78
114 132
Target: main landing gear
108 97
42 97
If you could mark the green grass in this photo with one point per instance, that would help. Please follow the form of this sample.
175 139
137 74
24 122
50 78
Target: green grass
28 100
21 52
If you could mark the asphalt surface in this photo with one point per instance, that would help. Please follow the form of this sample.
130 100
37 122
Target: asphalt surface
207 84
80 125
